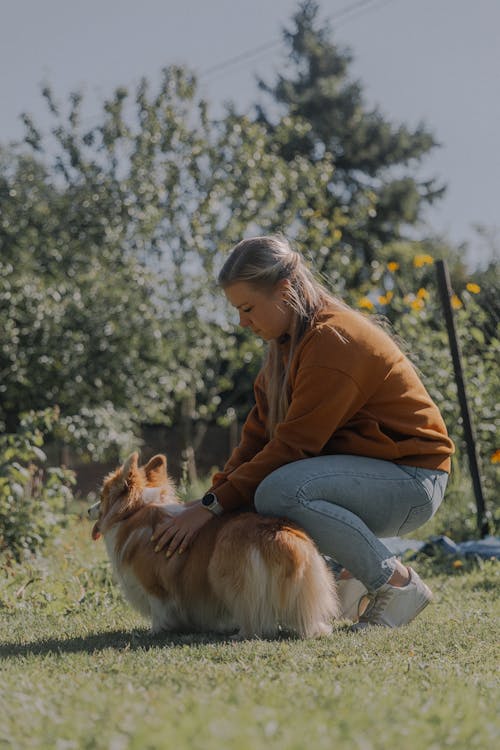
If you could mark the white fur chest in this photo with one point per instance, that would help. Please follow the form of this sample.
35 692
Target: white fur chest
129 583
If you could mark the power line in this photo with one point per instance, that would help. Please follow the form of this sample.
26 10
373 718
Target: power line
345 13
266 46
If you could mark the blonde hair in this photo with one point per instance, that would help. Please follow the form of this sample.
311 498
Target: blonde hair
263 262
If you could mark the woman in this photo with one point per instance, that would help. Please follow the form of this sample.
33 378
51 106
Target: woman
343 438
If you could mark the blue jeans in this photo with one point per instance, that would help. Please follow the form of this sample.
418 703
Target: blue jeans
345 503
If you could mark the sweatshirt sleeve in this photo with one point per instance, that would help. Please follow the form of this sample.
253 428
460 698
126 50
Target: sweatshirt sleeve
323 399
253 436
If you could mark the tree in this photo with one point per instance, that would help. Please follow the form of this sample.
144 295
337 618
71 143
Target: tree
78 327
120 230
373 196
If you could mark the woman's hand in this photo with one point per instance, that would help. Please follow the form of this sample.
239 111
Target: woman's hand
177 532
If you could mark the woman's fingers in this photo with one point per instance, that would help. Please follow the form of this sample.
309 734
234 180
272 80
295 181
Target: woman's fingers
176 534
174 542
171 538
183 544
158 530
163 526
162 535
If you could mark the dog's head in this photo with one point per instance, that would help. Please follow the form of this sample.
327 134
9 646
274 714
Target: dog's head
127 489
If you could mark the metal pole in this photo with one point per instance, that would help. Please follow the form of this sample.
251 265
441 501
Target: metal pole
446 292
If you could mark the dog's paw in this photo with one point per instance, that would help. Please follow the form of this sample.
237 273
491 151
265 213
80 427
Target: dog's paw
159 627
321 629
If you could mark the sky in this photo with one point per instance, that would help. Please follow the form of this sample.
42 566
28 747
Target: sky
431 61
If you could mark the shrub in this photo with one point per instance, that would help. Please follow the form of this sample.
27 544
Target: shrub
407 295
33 500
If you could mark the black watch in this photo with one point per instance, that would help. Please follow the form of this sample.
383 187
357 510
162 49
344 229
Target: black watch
210 502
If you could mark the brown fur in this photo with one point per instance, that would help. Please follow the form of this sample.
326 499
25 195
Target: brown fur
244 572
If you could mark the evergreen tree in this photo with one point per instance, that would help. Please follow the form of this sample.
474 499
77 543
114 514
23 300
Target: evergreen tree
374 182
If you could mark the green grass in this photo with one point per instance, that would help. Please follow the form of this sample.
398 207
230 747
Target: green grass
80 670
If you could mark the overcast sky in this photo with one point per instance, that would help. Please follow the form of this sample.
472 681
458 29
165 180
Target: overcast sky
436 61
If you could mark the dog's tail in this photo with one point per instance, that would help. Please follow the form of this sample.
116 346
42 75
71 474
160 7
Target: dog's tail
281 582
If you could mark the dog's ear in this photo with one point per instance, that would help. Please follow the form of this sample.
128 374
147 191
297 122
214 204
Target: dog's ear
130 467
156 470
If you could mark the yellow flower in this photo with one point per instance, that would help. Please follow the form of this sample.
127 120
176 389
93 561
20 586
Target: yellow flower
422 293
393 266
458 564
495 458
417 304
455 302
473 288
422 260
336 235
385 299
366 303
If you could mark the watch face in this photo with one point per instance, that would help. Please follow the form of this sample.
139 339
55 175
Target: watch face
209 499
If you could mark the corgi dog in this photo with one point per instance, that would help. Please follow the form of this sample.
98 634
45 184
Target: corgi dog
244 574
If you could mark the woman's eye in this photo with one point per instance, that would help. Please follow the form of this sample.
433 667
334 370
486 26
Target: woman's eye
247 309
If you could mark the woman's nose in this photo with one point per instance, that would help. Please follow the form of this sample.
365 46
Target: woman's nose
244 323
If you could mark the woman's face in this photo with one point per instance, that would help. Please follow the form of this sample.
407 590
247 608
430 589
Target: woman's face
264 311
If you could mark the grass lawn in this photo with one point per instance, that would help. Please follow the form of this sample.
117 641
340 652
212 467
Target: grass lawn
80 670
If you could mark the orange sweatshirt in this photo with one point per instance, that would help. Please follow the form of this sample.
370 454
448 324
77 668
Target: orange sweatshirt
354 393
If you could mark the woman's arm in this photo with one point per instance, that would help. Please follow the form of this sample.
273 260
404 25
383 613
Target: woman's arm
324 396
253 435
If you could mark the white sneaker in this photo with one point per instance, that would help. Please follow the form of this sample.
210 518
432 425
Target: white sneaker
351 595
392 606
